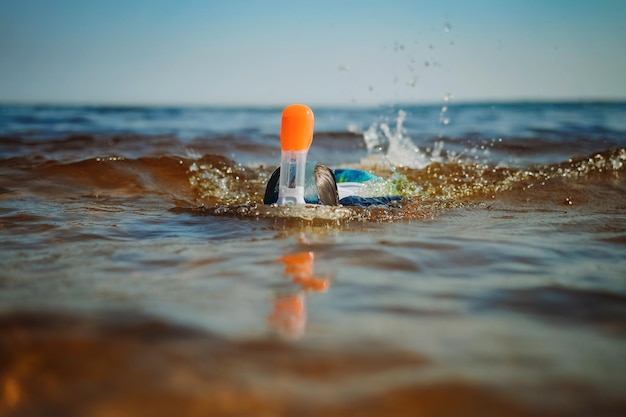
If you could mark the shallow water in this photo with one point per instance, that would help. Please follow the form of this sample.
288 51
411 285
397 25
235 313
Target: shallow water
139 267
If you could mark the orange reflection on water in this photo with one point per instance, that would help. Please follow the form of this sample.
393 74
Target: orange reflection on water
11 394
299 266
288 317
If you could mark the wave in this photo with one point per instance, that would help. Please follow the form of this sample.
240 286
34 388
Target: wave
216 185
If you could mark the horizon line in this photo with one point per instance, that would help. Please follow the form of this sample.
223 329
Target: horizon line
269 105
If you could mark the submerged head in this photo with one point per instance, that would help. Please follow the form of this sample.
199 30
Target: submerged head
320 186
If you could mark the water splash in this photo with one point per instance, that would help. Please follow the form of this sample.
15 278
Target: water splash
444 118
394 145
396 185
217 180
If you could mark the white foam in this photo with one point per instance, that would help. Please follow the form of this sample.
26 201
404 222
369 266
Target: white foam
401 151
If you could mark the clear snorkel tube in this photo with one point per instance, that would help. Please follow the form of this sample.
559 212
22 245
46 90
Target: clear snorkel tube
296 135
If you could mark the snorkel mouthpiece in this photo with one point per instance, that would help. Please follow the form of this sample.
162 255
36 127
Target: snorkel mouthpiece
296 135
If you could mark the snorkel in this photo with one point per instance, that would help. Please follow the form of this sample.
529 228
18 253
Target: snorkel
296 135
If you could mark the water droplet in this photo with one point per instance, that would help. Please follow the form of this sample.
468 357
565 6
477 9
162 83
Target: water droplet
447 27
398 47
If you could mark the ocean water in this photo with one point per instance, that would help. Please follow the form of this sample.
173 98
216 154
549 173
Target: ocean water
140 273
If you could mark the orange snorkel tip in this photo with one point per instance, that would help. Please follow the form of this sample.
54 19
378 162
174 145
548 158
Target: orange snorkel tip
296 135
296 130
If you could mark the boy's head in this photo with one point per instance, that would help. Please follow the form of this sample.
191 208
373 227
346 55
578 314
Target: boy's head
320 186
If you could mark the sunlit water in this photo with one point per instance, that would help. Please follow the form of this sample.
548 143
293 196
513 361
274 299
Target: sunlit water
136 252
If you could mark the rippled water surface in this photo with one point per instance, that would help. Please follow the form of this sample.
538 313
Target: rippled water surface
140 272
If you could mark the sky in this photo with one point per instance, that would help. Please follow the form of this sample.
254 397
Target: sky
322 52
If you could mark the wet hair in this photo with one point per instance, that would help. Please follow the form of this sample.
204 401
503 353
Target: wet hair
326 185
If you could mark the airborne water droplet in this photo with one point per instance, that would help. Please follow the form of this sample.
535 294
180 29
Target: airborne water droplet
447 27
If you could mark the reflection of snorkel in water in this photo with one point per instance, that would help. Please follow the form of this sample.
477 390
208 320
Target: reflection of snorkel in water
298 182
288 317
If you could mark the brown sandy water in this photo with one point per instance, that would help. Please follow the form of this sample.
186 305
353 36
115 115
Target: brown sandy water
141 275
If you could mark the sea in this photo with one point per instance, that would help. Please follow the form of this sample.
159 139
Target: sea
141 273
